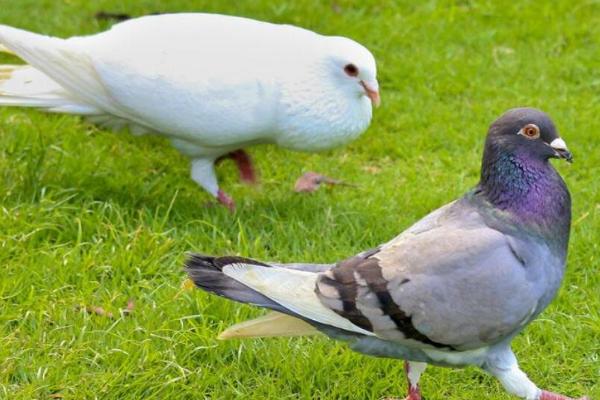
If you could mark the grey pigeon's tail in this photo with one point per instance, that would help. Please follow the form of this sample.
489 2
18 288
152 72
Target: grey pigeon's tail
207 274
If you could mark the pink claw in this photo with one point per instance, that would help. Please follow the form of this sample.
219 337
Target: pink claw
227 201
555 396
414 395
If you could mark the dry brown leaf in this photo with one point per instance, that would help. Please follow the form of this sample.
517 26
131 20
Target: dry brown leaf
97 311
311 181
130 307
372 169
188 284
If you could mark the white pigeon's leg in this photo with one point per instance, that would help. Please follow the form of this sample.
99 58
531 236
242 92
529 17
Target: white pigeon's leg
413 371
245 166
203 173
503 365
244 163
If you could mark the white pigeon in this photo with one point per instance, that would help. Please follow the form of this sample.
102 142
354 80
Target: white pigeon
213 84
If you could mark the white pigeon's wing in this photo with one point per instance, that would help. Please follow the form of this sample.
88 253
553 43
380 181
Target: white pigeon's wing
208 78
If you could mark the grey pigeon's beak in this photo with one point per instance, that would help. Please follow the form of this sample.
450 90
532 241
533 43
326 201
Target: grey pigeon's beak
560 149
372 91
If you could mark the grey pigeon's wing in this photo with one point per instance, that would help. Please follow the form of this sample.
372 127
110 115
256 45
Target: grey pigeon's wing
449 281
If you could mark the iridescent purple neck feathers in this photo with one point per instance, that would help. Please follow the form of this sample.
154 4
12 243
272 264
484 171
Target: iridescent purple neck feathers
528 188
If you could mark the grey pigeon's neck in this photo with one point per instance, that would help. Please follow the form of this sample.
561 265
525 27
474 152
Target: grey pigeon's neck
529 191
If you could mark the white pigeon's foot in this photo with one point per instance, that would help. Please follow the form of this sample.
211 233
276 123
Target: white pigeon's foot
226 200
555 396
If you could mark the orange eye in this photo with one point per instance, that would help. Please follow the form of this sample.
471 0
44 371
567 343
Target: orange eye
351 70
531 131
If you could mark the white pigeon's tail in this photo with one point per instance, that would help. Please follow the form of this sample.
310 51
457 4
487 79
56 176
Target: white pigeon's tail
25 86
60 78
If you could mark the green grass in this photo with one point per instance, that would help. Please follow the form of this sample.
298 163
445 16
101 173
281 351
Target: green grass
89 217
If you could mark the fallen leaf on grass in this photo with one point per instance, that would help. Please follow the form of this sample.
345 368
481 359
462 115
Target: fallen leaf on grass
129 309
97 310
188 284
372 169
311 181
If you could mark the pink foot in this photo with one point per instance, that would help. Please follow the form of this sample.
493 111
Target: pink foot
555 396
245 166
227 201
416 395
413 395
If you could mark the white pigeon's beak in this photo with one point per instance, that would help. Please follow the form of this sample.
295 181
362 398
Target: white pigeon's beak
372 91
560 149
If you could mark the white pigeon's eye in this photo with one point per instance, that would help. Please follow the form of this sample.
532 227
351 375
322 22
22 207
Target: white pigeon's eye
351 70
530 131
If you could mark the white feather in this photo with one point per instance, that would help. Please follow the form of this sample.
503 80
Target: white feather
293 289
273 324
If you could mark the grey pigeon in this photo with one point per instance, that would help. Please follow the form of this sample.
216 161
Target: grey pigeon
452 290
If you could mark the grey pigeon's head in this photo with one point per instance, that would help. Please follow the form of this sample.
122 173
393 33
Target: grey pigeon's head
516 176
529 132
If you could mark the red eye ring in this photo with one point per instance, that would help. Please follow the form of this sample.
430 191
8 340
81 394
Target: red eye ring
531 131
351 70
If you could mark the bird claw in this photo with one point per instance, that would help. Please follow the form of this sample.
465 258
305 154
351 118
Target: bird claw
411 396
225 200
555 396
416 395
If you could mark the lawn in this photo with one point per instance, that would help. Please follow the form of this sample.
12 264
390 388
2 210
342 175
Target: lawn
90 218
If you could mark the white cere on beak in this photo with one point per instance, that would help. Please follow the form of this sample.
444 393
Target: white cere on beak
559 144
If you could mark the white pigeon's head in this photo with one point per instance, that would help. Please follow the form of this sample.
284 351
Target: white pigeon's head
328 92
354 68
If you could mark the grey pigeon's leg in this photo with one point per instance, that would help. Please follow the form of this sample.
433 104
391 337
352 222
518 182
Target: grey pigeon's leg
413 373
203 173
503 365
